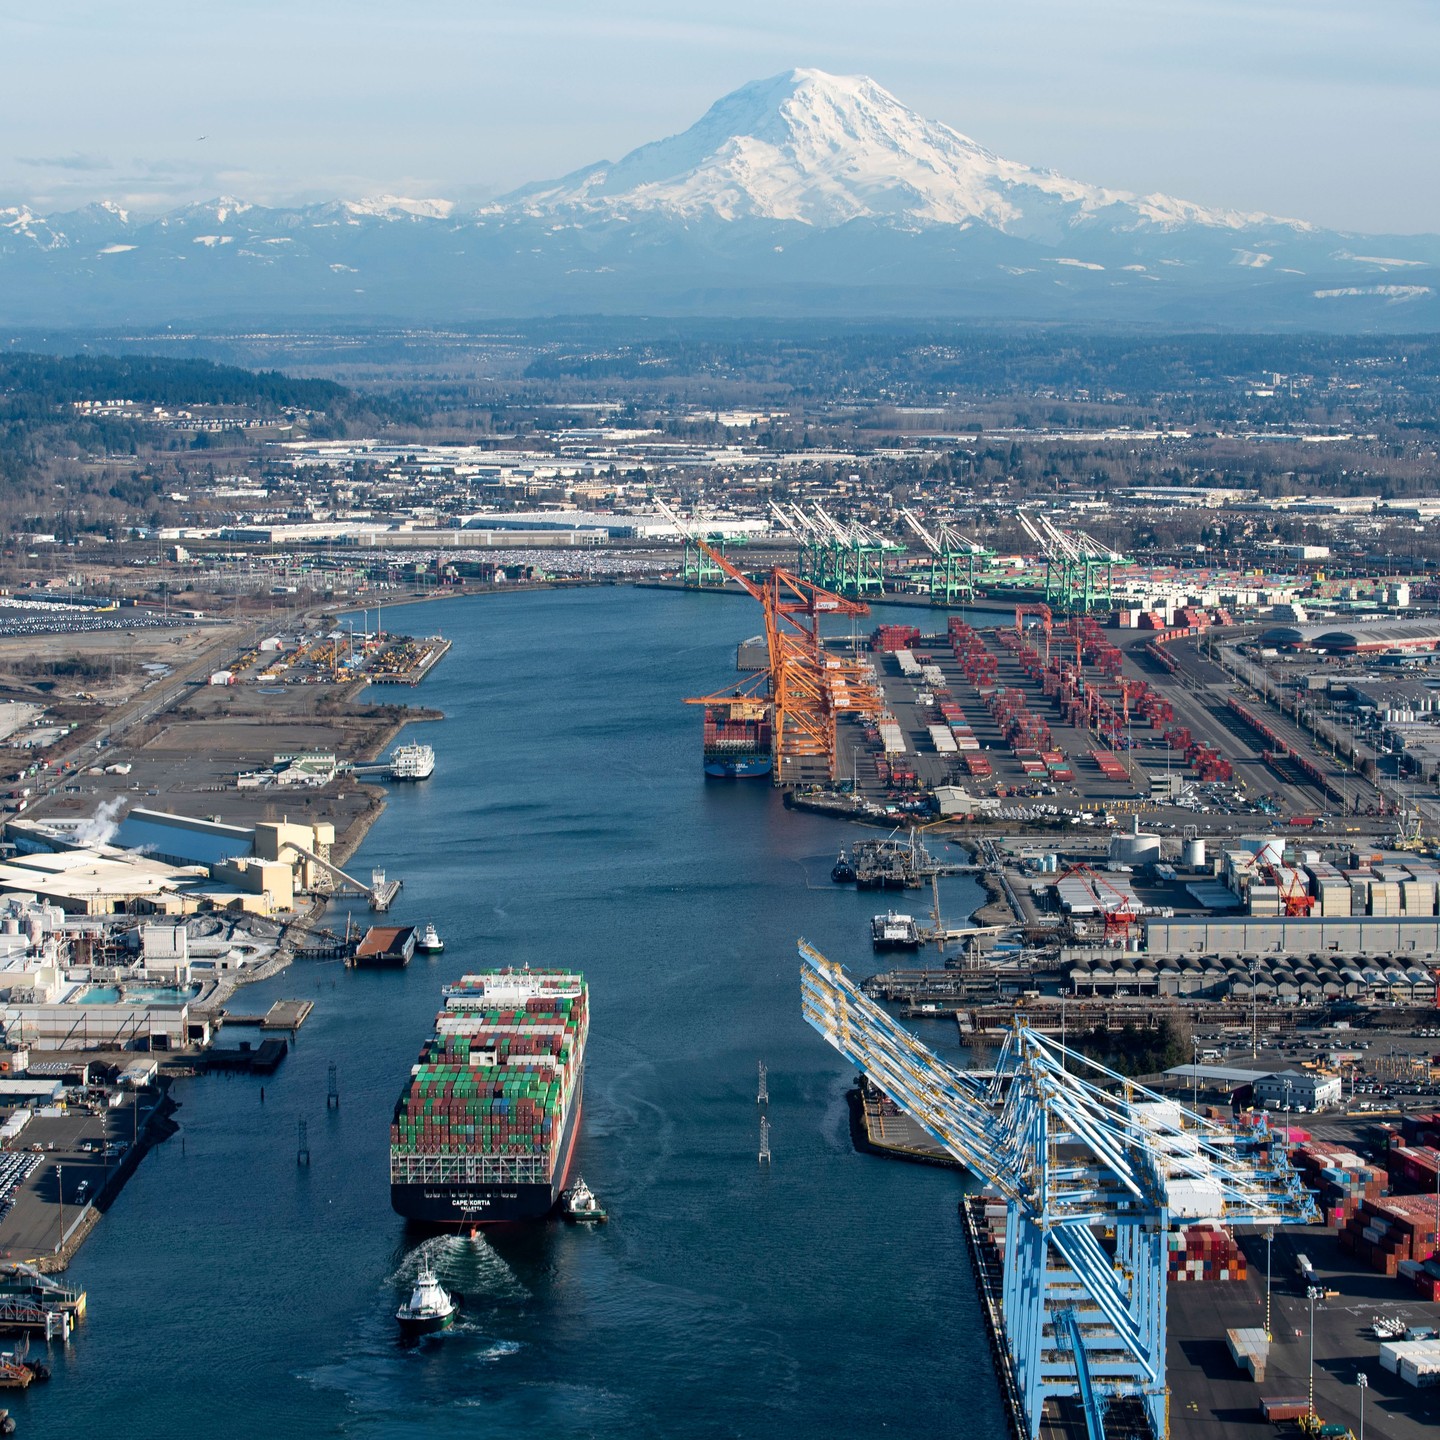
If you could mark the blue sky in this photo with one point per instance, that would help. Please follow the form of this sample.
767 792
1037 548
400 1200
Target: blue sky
1327 111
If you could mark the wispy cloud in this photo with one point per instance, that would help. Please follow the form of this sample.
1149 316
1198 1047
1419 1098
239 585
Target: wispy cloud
87 163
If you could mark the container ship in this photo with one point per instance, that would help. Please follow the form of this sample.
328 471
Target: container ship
485 1128
738 737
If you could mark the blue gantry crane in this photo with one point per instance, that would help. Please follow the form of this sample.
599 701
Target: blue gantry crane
1093 1169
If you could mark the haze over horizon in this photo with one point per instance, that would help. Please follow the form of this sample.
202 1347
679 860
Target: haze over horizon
1317 112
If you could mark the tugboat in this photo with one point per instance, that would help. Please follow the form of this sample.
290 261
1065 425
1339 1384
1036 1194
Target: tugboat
430 942
429 1308
843 872
580 1204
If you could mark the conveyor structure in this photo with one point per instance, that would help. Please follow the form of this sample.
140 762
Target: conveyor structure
1093 1169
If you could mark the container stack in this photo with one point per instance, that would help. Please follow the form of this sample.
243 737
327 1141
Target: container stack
1423 1275
1413 1169
1339 1178
889 638
1416 1362
1057 766
976 663
1276 1408
498 1073
1110 767
943 740
891 736
1249 1349
1420 1129
1385 1232
1204 1253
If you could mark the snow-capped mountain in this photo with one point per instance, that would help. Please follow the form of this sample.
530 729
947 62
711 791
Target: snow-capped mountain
823 150
804 194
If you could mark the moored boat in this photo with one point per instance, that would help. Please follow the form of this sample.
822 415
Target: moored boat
894 931
412 762
429 941
738 739
842 872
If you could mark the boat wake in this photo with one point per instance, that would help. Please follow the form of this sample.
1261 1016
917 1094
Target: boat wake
469 1267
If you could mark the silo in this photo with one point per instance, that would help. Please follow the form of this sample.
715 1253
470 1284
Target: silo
1193 854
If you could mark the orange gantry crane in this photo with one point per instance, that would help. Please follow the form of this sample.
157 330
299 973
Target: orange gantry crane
1118 911
1296 900
1047 624
808 687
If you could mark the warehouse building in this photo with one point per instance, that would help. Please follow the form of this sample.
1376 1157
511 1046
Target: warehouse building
1372 639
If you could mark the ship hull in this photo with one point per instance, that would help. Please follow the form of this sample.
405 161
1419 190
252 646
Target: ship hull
466 1205
739 769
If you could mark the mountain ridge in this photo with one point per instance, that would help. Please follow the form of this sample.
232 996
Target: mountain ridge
805 191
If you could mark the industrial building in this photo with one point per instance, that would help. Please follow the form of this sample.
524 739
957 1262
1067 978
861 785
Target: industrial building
1297 1090
1370 639
1304 976
168 864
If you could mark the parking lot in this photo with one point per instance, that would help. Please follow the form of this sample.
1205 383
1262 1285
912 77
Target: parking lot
73 1162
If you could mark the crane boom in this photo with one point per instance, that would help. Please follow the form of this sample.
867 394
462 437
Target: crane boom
1092 1168
808 688
924 536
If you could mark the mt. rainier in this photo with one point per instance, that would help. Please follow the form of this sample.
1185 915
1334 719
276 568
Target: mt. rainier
804 194
823 149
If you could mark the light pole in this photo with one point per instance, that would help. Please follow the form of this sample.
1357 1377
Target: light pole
1254 1009
1312 1294
1287 1113
1362 1381
60 1195
1269 1239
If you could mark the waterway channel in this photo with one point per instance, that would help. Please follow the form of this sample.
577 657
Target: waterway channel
234 1293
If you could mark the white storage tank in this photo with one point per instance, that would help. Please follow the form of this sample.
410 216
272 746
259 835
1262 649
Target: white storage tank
1193 854
1138 847
1267 849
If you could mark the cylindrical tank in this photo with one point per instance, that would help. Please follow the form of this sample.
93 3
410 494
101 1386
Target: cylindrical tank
1193 854
1135 848
1267 849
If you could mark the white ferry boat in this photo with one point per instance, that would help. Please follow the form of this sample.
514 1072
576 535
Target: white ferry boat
412 762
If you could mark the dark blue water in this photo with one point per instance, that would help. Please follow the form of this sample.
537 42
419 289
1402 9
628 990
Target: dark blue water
233 1293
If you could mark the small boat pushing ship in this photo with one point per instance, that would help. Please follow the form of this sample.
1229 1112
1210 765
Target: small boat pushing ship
430 1306
842 872
581 1205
